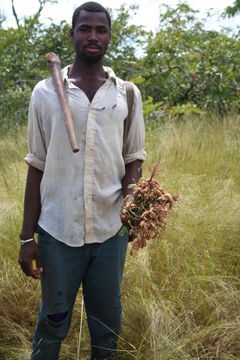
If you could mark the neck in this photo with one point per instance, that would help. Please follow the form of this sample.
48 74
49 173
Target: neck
85 70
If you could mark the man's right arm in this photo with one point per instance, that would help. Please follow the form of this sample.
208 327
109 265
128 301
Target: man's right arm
32 208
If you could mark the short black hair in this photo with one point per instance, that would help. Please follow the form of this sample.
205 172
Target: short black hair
91 6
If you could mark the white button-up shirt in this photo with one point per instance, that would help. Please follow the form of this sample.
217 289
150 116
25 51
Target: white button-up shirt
81 193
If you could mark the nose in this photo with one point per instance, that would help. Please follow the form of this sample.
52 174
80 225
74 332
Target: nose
93 36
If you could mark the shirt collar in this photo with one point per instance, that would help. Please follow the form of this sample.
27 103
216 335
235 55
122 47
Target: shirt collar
109 72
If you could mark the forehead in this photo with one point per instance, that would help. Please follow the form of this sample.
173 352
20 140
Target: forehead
92 18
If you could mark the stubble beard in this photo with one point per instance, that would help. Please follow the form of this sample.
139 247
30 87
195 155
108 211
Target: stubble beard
88 59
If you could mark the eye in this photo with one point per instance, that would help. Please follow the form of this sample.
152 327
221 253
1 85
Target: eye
84 29
102 30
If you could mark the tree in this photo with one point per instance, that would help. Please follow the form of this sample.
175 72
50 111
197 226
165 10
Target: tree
182 64
23 50
2 18
41 3
185 63
126 40
233 10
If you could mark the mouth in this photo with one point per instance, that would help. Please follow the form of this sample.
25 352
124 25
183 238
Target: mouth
92 49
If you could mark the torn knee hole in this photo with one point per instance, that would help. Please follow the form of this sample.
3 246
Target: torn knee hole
57 317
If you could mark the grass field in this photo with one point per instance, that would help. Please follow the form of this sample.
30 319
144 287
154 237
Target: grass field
181 295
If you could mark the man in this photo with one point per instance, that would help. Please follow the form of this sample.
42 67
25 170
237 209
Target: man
75 200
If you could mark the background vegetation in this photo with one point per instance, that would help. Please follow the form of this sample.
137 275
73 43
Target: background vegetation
181 295
180 68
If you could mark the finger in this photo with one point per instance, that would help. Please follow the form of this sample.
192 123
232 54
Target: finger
124 220
128 200
39 262
36 274
27 268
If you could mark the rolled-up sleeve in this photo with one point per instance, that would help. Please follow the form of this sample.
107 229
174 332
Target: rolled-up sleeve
136 134
36 143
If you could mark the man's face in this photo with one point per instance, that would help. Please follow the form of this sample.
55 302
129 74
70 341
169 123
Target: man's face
91 36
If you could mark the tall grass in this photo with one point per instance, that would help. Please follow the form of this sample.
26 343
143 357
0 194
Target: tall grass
181 295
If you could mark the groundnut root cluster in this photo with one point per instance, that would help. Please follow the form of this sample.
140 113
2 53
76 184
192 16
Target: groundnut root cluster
146 210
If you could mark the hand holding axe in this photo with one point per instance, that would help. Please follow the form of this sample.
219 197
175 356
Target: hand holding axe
54 66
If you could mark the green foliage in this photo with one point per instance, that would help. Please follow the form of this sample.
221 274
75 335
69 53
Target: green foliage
22 64
185 109
234 9
23 50
149 107
180 68
186 63
126 40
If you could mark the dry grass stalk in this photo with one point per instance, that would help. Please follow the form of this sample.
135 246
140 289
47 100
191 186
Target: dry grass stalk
146 210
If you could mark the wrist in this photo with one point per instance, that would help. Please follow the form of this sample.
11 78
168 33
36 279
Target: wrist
23 242
25 235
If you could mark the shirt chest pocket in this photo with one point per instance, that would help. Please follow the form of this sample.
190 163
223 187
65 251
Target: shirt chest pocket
111 117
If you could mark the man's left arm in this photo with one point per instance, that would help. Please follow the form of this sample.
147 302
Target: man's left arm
134 154
133 172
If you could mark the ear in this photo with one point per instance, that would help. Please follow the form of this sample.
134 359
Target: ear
71 34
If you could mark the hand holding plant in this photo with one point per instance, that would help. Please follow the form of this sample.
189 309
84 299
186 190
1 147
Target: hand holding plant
145 210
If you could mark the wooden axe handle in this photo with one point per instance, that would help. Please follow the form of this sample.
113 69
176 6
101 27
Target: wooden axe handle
54 66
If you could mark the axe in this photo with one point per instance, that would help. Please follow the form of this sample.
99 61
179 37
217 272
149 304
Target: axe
54 66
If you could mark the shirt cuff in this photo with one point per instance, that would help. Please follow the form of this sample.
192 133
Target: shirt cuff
139 155
33 161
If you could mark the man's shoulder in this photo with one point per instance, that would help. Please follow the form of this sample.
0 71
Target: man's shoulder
126 87
119 81
124 84
44 92
45 85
